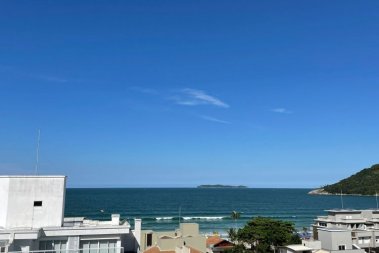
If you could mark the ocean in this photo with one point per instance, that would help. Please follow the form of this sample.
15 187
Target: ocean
161 208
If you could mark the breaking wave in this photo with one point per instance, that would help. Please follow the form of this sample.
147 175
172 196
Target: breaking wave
164 218
203 218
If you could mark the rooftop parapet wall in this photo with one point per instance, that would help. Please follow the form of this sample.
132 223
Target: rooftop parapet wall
32 201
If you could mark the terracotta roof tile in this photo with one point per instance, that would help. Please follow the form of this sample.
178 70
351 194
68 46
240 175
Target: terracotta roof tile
154 249
211 240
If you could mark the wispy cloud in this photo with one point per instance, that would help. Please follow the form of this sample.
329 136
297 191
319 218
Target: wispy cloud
281 110
48 78
25 74
192 97
214 119
144 90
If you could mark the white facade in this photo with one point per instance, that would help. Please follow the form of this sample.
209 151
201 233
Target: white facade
348 230
32 219
31 201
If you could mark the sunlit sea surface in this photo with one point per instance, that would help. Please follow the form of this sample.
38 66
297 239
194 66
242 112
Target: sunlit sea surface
161 208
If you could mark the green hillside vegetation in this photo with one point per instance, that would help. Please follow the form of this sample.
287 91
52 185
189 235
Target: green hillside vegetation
365 182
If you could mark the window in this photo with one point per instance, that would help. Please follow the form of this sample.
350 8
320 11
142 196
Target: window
341 247
37 203
98 246
149 240
2 249
364 240
367 239
54 245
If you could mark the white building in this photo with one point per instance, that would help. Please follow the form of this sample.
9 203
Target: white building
32 219
295 248
348 230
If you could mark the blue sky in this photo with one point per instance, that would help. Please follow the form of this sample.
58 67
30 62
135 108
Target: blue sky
180 93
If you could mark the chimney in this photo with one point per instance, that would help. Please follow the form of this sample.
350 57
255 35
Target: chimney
137 231
115 219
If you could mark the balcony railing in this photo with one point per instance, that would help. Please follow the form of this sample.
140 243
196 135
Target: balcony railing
87 250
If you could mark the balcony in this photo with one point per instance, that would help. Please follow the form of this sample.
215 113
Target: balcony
87 250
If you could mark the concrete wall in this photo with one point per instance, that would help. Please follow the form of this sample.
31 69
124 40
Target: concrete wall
197 242
169 244
366 234
345 215
330 240
18 193
189 229
4 186
313 244
188 233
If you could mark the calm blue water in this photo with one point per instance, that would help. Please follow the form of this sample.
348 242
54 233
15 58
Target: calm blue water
211 208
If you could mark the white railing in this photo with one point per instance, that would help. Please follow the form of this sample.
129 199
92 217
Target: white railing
93 250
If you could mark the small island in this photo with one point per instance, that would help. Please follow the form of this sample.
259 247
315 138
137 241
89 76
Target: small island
221 186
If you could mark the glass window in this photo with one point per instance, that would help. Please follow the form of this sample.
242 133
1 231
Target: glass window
57 246
42 245
84 245
53 246
341 247
103 247
93 246
63 245
113 246
367 239
98 246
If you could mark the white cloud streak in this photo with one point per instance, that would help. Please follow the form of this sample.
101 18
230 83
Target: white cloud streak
192 97
47 78
214 119
24 74
144 90
281 110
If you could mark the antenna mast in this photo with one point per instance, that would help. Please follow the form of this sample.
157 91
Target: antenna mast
341 200
376 197
37 153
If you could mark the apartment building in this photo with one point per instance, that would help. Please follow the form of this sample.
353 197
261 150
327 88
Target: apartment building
348 229
32 220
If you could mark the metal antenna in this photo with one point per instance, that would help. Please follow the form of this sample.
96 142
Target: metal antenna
37 153
376 197
341 199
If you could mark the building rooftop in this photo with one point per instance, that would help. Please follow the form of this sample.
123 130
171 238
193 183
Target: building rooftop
212 240
83 222
298 247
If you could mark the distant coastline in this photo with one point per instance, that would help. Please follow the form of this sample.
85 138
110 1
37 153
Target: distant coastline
218 186
321 191
362 183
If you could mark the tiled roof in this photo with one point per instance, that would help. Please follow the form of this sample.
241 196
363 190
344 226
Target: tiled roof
216 241
212 240
223 244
